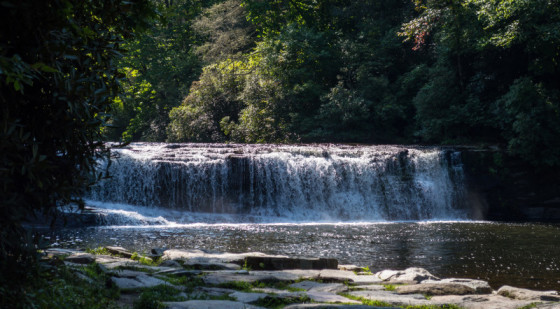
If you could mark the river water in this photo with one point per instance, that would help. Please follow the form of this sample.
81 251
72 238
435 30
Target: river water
523 255
386 207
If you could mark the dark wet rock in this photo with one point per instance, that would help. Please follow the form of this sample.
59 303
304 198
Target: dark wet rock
209 304
82 258
170 263
179 272
435 289
281 263
525 294
158 251
120 251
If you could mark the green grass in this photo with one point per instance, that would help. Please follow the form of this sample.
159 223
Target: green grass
152 298
59 287
377 303
390 287
98 250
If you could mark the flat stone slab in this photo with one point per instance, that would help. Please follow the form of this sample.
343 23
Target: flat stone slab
480 286
313 286
218 257
247 297
140 281
480 302
369 287
209 304
281 263
334 306
525 294
81 258
435 289
220 278
330 298
126 273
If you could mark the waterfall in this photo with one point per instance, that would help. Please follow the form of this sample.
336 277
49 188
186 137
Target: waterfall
296 182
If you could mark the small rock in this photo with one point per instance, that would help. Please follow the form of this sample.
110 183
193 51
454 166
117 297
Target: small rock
119 251
84 258
127 273
525 294
158 251
435 289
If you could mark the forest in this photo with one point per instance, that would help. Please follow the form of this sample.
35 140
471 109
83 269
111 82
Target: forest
473 72
75 74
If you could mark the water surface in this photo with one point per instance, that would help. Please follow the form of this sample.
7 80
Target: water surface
523 255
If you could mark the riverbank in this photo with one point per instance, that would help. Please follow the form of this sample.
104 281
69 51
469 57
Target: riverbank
200 279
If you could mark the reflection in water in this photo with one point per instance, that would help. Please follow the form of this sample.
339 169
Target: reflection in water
524 255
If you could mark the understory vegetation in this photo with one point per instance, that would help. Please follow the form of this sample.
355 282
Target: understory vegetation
478 72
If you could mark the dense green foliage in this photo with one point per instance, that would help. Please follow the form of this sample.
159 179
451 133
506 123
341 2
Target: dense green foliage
57 77
427 71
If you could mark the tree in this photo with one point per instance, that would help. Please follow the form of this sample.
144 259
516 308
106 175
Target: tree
57 78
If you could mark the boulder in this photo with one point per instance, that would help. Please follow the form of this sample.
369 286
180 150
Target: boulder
480 286
209 304
435 289
281 263
525 294
120 251
412 274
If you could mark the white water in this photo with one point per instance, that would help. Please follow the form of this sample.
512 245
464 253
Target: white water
186 183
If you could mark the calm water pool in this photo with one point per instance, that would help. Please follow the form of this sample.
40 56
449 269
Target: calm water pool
523 255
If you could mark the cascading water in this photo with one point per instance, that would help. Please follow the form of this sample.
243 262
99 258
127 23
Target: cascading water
317 183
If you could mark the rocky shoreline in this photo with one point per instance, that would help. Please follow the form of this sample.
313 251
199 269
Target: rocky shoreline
201 279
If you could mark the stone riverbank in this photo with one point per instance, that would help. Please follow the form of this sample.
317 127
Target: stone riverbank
201 279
